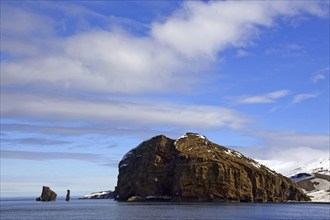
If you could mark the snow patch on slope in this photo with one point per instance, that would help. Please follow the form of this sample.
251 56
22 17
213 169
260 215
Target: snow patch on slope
319 196
176 141
191 134
321 192
321 166
255 164
291 168
321 184
233 153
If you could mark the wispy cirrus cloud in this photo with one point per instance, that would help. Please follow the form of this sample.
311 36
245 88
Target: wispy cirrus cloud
42 156
317 78
303 97
242 53
320 75
33 141
119 113
48 128
98 159
287 50
270 97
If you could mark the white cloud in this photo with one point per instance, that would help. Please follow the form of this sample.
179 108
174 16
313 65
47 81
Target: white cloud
169 58
102 61
124 63
295 139
283 150
264 98
285 160
120 114
203 29
304 96
206 28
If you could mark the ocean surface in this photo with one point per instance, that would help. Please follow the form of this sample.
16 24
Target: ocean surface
28 209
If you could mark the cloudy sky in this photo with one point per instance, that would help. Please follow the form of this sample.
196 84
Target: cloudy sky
83 82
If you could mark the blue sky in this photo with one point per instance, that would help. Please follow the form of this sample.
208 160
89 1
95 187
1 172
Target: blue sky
83 82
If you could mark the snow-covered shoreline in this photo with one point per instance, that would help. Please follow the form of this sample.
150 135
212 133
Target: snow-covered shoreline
99 195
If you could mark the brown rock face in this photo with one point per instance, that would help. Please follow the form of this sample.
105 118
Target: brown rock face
47 195
192 168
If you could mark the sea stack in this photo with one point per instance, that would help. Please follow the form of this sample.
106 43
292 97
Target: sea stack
67 197
192 168
47 195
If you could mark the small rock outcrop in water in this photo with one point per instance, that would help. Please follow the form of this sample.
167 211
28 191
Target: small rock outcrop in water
192 168
47 195
67 197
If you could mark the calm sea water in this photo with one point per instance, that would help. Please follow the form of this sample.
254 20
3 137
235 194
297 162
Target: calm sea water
109 209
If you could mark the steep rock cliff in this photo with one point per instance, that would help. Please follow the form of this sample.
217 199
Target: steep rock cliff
192 168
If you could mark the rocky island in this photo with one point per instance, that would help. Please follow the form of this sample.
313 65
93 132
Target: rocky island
47 195
192 168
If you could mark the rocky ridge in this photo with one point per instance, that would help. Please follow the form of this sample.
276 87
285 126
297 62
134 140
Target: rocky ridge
192 168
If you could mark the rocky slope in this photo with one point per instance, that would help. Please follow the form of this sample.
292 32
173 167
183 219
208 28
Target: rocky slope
192 168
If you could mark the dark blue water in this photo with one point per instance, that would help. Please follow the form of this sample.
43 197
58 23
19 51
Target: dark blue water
109 209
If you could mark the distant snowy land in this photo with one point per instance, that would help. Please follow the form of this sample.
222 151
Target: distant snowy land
312 176
99 195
